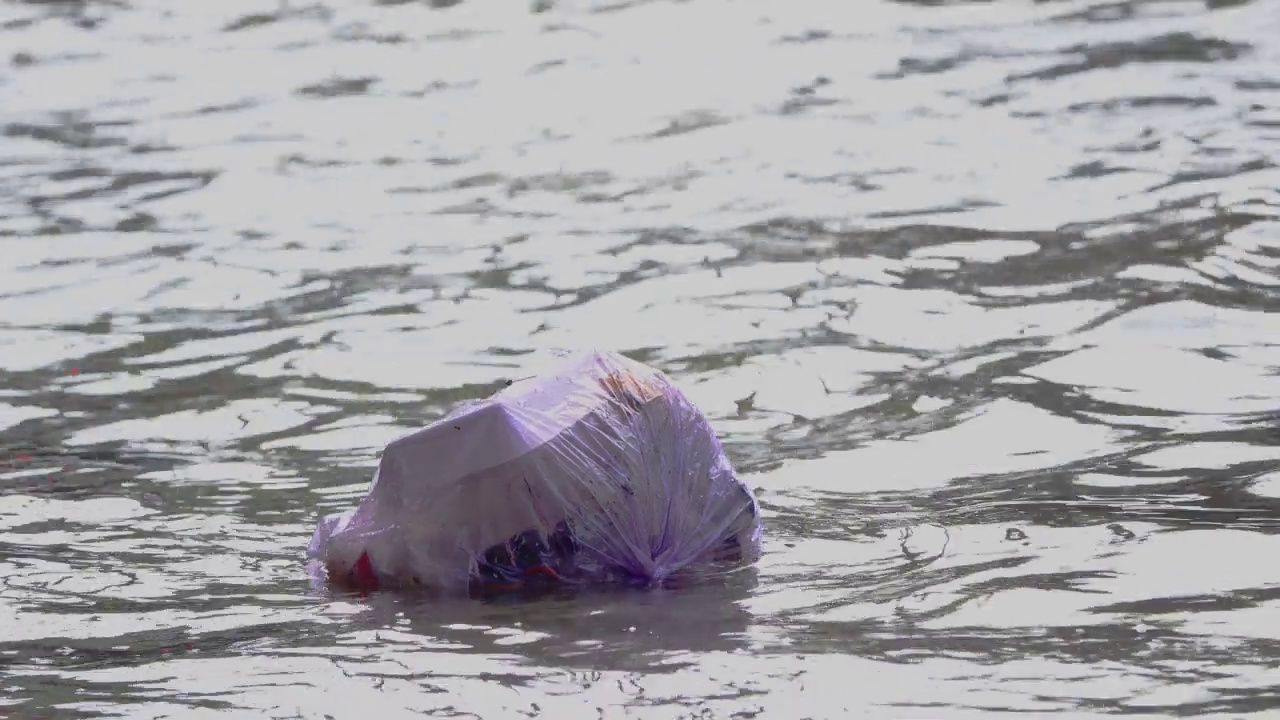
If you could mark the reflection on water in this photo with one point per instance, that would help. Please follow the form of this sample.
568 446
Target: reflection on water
982 298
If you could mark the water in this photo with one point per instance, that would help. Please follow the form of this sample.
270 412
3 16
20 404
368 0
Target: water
983 299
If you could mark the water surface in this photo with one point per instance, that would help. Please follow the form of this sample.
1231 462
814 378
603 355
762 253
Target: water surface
984 300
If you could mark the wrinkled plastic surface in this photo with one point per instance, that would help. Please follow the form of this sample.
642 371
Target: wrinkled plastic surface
599 471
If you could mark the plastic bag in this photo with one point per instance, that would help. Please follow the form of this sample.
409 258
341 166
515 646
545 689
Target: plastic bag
600 471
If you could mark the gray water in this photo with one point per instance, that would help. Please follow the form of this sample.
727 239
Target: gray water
984 300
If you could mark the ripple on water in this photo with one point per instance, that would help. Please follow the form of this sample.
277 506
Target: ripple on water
982 301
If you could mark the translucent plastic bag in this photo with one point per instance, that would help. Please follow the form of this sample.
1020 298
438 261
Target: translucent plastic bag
600 471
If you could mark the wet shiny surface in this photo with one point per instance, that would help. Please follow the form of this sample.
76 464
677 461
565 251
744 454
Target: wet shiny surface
982 298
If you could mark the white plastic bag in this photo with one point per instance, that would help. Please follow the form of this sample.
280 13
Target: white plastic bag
600 471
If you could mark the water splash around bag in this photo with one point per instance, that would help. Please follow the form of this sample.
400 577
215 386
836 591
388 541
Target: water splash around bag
600 471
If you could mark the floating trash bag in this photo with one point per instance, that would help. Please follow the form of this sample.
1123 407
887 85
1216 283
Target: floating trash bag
600 471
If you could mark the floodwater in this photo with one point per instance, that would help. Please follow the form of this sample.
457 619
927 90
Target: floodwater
984 300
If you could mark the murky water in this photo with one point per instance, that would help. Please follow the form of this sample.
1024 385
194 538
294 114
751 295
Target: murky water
984 299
